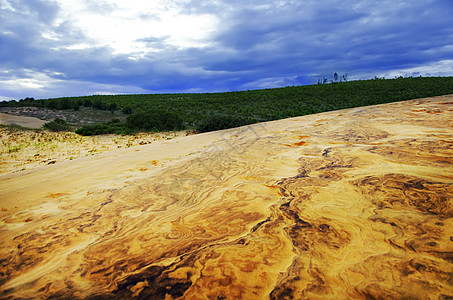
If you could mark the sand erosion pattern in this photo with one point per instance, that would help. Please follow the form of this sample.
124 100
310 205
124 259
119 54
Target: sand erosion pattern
349 204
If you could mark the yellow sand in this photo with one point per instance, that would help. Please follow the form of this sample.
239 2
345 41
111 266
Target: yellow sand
347 204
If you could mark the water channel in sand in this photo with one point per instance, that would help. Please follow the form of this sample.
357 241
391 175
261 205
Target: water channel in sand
346 204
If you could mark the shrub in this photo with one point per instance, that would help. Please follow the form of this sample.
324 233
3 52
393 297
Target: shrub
52 104
112 107
156 120
87 103
57 125
127 110
100 105
223 122
65 103
113 126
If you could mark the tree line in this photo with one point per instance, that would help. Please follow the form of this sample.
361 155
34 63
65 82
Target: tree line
212 111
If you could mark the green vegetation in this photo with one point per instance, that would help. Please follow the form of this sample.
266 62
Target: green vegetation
154 120
223 122
149 120
212 111
113 126
57 125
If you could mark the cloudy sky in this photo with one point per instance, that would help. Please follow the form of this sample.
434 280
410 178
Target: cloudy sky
53 48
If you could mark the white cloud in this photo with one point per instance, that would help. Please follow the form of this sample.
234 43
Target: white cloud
64 47
38 85
121 25
438 68
4 4
32 81
79 46
30 84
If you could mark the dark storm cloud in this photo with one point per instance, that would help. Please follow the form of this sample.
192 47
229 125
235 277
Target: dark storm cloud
257 44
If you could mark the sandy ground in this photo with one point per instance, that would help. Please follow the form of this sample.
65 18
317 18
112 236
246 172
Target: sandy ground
30 122
25 150
347 204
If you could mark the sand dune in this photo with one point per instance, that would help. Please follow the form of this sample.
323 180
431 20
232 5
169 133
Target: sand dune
346 204
30 122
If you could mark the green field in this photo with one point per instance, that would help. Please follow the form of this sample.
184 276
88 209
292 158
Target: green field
212 111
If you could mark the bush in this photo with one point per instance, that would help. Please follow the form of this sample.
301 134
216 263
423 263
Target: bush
127 110
150 120
57 125
223 122
65 104
112 107
52 104
100 105
155 120
113 126
87 103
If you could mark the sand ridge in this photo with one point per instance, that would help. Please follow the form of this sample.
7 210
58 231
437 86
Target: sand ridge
346 204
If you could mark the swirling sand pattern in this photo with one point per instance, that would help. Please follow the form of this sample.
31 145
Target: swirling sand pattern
351 204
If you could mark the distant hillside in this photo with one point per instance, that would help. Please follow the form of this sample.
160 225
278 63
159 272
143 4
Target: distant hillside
212 111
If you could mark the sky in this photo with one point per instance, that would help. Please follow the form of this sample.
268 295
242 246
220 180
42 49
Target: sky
56 48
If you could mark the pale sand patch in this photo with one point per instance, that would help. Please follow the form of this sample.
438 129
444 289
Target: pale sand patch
351 204
25 150
30 122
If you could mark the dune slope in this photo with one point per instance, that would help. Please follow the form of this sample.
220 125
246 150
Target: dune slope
346 204
30 122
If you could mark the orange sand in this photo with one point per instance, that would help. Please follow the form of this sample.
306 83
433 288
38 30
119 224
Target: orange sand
351 204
